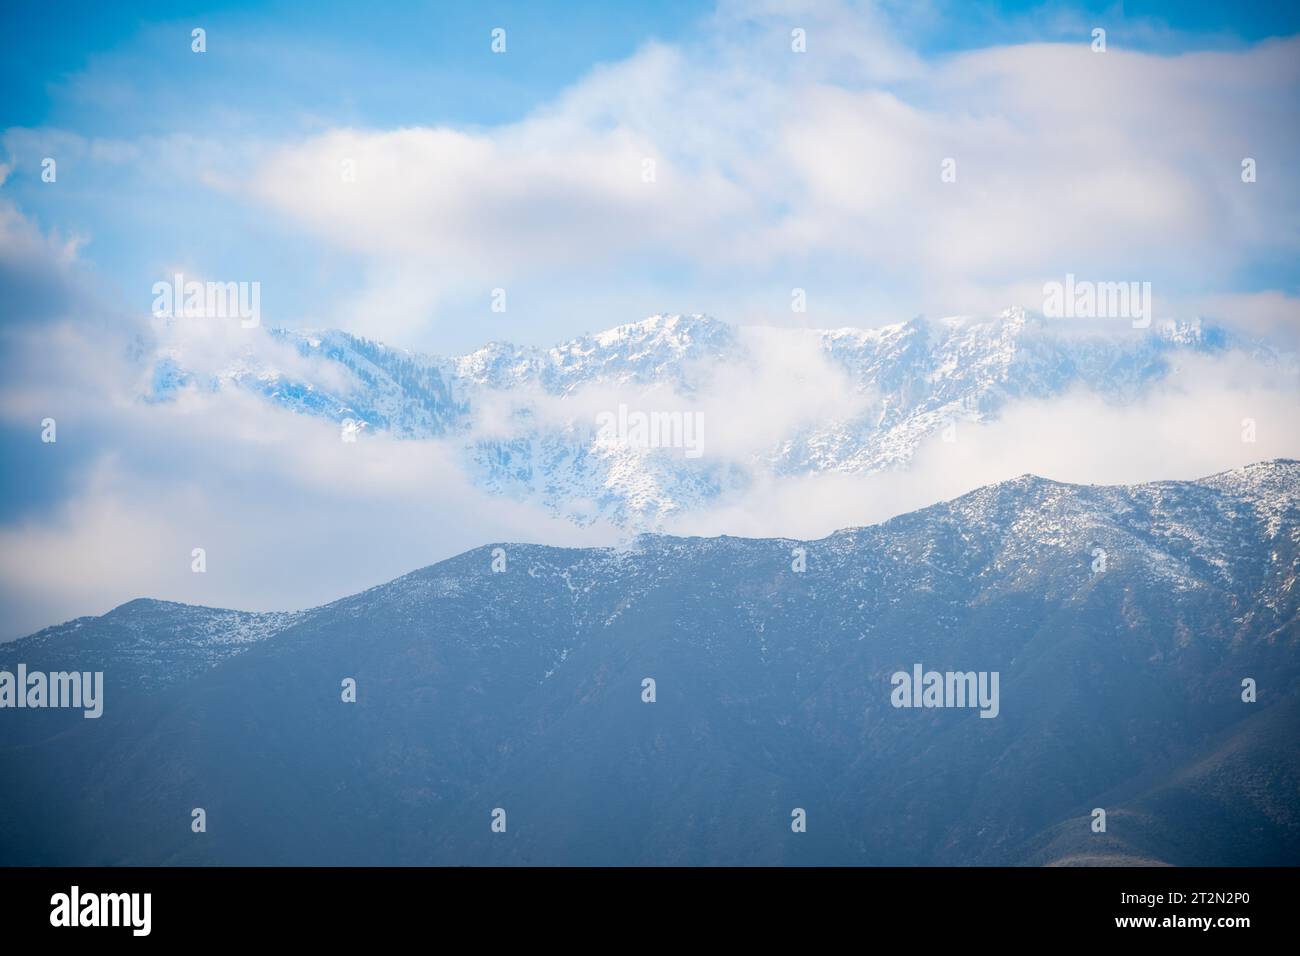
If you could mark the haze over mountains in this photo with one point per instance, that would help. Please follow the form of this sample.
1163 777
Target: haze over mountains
772 403
1121 688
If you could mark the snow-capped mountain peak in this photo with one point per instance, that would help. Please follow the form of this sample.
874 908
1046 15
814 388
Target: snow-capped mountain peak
901 385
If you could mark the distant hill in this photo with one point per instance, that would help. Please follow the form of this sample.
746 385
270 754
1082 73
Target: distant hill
1119 688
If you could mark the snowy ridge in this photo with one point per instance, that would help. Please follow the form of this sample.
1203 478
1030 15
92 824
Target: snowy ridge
157 641
1228 544
523 418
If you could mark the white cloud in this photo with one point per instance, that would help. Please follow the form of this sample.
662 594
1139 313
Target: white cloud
290 515
1118 166
1189 427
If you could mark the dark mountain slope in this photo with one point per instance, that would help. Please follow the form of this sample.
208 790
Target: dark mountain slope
522 690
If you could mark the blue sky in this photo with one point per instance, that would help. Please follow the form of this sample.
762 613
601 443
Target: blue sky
44 45
120 80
